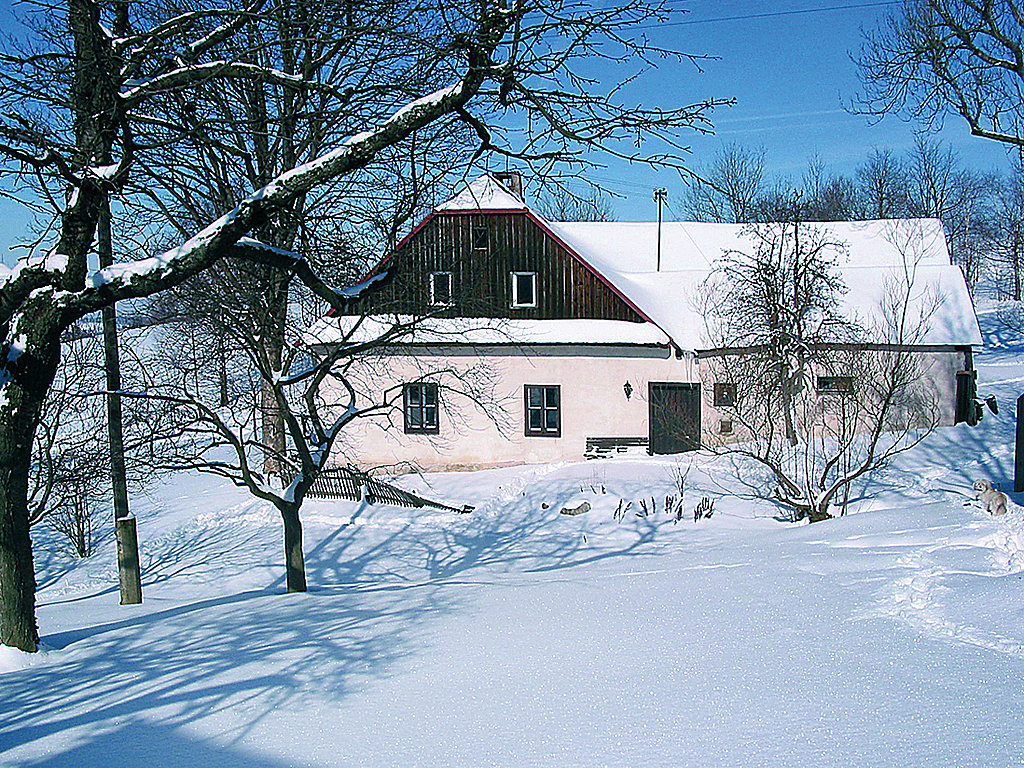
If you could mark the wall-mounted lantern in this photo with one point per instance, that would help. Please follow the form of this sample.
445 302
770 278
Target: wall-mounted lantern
628 389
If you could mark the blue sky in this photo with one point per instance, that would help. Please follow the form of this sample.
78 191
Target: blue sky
792 76
788 66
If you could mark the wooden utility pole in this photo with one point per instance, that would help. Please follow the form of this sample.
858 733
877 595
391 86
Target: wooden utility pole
659 198
128 568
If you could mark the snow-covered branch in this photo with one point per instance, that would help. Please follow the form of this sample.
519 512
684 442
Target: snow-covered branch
190 74
147 276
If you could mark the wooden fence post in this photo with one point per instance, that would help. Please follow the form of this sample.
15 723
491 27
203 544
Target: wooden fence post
1018 456
128 560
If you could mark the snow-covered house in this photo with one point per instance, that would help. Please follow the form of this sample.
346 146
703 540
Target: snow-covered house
590 344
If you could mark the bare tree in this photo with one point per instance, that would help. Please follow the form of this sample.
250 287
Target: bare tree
813 402
882 182
730 188
827 196
1007 238
326 379
562 204
75 98
243 133
65 443
70 469
935 57
783 300
942 188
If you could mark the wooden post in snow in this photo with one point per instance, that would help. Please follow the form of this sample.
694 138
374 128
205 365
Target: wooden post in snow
1018 457
128 567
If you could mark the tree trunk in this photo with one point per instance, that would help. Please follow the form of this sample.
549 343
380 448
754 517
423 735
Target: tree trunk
294 563
273 343
28 378
17 574
789 422
222 366
818 513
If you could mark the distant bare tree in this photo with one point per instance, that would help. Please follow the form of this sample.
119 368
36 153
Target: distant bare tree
730 188
1007 240
941 187
826 196
66 442
882 183
562 204
70 470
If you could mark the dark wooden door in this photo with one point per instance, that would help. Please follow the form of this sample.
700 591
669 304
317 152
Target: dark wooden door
674 418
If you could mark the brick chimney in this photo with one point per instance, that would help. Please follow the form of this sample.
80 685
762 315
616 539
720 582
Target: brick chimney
511 180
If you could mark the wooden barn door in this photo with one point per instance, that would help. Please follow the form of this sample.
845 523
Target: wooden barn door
674 418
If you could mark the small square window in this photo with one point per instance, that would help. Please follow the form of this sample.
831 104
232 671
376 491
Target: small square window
725 395
481 238
440 289
543 404
725 427
419 402
524 289
835 384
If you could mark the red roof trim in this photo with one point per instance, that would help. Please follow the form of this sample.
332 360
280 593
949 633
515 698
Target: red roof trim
547 230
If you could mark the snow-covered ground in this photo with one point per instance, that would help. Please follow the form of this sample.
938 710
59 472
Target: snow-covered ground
516 636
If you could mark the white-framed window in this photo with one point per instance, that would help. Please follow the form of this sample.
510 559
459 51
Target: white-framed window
440 289
524 289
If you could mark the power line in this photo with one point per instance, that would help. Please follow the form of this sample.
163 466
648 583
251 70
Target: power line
682 226
772 14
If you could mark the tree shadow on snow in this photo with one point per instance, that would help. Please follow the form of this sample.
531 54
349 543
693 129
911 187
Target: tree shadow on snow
376 589
143 744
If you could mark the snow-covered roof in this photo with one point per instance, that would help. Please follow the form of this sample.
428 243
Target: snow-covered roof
469 330
484 194
873 258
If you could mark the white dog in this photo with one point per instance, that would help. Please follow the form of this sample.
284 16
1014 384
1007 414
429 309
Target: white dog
992 500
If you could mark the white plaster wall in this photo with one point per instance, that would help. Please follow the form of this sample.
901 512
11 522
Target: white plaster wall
594 403
938 371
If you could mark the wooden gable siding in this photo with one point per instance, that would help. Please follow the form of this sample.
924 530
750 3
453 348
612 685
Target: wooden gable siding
481 281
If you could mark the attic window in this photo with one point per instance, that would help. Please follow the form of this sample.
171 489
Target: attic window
835 384
524 289
480 238
440 289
